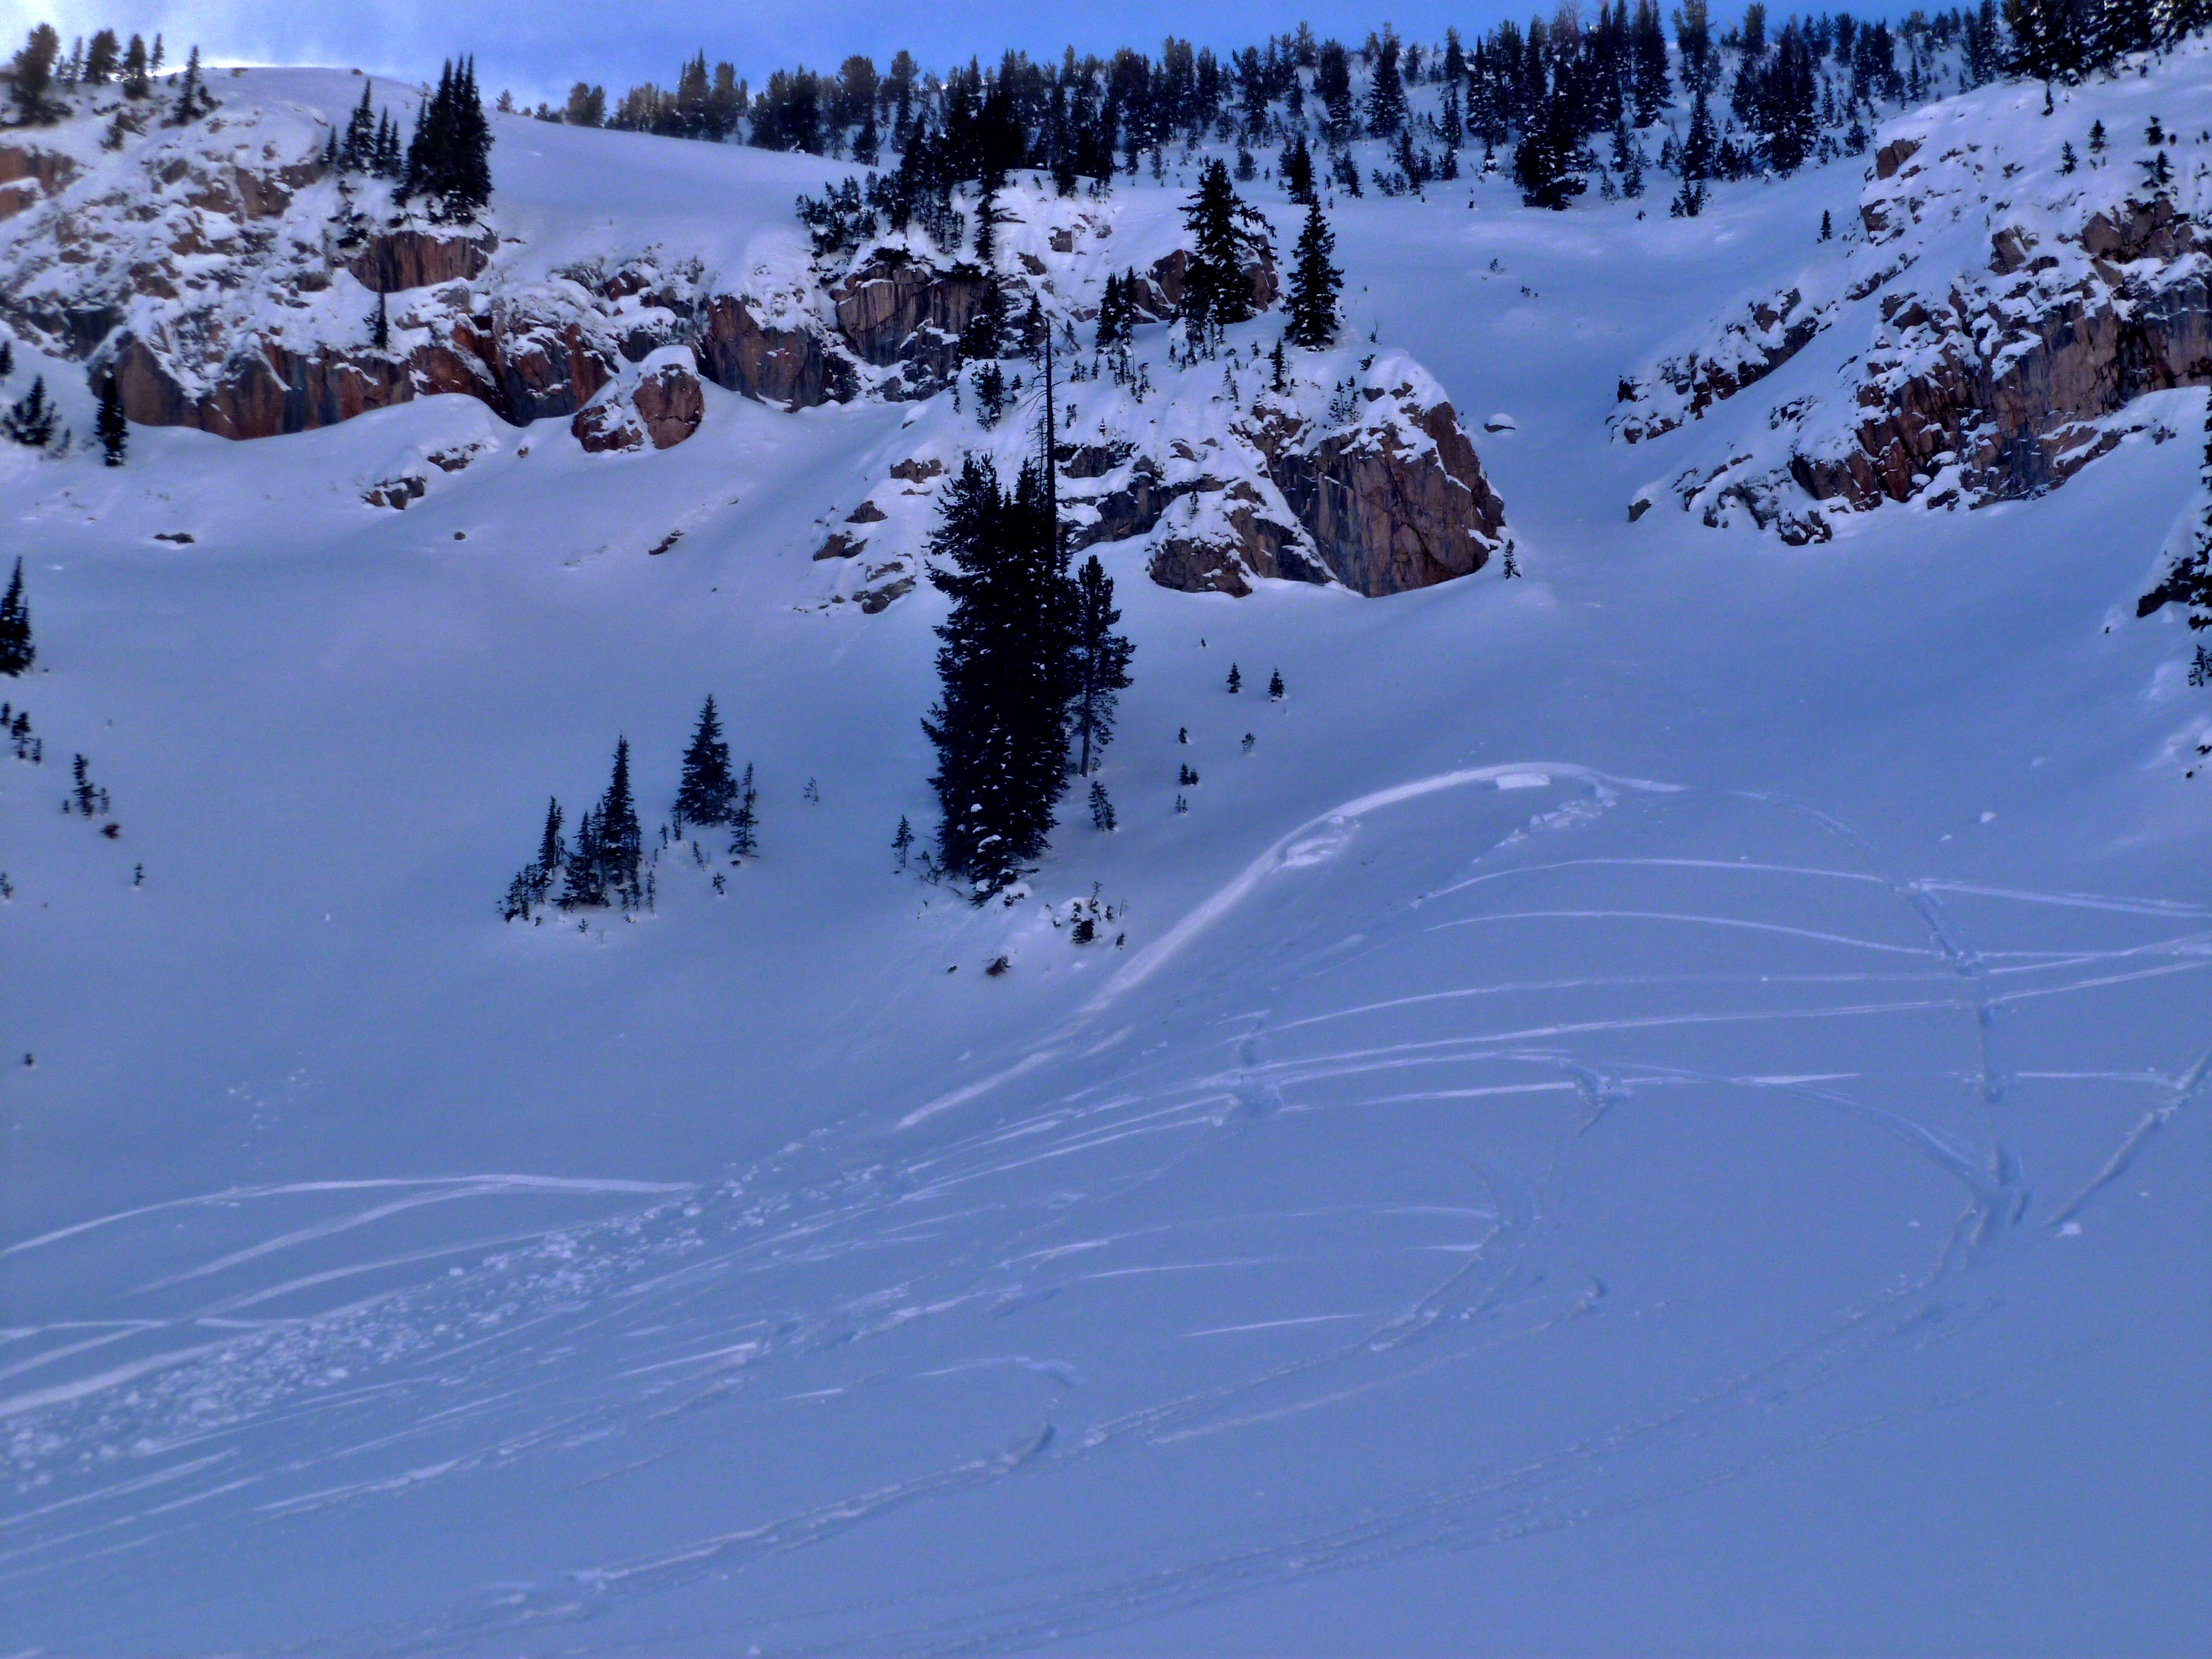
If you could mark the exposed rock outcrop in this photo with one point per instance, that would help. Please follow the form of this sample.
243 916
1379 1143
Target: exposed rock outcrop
1983 340
413 257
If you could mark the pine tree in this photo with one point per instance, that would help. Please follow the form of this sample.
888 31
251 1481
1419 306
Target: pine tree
379 326
1000 724
1235 679
902 842
1547 160
114 431
1102 663
1102 808
1310 310
707 793
1386 90
1827 227
622 842
1275 686
449 158
1296 169
1226 232
31 419
552 851
358 149
745 820
192 99
17 650
586 870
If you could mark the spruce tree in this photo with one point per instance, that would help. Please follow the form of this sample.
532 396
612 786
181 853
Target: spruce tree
1235 679
1101 663
903 841
1226 232
31 419
17 650
587 883
114 431
1102 808
379 326
192 99
745 819
1547 159
1315 284
1298 169
552 851
1000 724
707 793
357 150
1275 686
622 843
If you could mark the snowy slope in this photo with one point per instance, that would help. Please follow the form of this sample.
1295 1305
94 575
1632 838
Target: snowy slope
1662 1105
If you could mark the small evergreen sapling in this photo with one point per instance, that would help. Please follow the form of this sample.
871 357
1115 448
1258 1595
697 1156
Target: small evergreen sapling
1102 808
1275 686
902 842
1235 679
744 821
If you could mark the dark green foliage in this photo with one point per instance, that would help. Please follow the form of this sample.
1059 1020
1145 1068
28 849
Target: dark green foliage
1000 724
114 431
379 326
1101 664
1386 89
31 419
1226 234
622 842
1102 808
192 99
449 158
1117 310
1297 170
745 819
1310 309
706 793
1548 160
1275 686
33 77
17 650
902 842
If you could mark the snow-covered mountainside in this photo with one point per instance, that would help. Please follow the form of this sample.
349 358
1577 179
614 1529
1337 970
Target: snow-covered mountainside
1659 1103
2011 284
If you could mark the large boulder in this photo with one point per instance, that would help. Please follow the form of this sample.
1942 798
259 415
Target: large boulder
787 366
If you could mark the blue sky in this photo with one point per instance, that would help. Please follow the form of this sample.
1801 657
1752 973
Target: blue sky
538 49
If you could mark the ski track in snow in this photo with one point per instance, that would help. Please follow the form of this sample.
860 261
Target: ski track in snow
705 1295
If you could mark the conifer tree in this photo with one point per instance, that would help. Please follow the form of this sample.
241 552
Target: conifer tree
113 431
1310 310
707 793
1275 686
1102 808
552 851
902 842
192 99
17 650
449 158
1386 89
745 819
1298 169
379 325
586 870
1226 232
31 419
357 150
1101 663
1000 724
1235 679
33 76
622 842
1548 161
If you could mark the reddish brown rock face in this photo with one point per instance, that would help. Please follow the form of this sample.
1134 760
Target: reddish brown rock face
1388 515
894 312
670 403
777 366
397 260
29 175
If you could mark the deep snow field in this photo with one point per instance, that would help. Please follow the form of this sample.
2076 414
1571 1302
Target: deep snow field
1662 1108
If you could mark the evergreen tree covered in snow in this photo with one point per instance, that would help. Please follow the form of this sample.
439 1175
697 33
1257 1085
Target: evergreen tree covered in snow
622 841
2190 582
1226 234
745 819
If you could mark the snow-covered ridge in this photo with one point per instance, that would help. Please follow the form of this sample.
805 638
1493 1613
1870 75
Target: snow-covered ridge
2016 280
225 279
